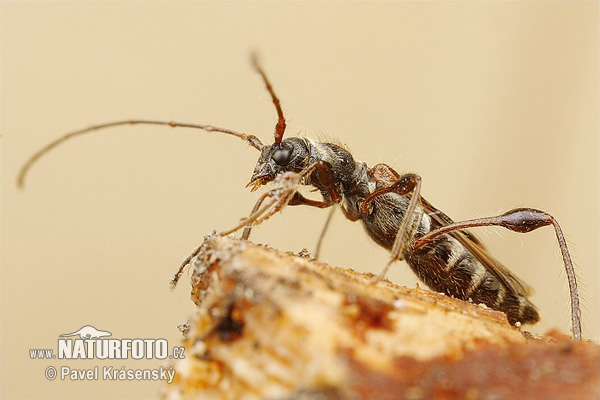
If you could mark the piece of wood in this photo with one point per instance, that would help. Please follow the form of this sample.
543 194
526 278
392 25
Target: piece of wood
274 325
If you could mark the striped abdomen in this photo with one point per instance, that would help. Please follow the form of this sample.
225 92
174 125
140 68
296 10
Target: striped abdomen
447 266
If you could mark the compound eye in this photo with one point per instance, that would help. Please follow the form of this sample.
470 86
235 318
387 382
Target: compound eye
282 157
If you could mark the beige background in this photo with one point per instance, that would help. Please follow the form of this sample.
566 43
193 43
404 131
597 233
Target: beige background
495 104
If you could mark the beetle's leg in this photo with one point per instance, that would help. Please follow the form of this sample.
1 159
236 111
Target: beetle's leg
299 200
323 232
350 216
384 174
256 212
285 192
278 198
255 209
408 185
175 279
188 259
326 177
522 220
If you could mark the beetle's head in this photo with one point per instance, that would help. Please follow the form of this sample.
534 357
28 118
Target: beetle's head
289 155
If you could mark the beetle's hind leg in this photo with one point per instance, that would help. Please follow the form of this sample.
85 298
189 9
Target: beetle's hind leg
522 220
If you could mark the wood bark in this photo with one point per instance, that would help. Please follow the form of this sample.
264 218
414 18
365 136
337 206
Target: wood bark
275 325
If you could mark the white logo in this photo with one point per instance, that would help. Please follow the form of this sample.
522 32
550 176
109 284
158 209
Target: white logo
88 332
93 345
90 343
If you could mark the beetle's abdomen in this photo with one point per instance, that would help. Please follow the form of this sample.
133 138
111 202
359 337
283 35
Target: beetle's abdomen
445 265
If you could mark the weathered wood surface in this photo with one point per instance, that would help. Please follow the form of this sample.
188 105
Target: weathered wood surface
274 325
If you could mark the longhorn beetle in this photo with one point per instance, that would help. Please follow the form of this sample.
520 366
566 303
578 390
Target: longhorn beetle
440 251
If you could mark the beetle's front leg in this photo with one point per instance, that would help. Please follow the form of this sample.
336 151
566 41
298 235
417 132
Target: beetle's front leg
286 192
273 197
299 200
326 178
277 198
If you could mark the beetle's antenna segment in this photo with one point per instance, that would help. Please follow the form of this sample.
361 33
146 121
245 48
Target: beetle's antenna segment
280 127
250 139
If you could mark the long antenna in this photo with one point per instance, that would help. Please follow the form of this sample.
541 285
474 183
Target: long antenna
280 127
250 139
